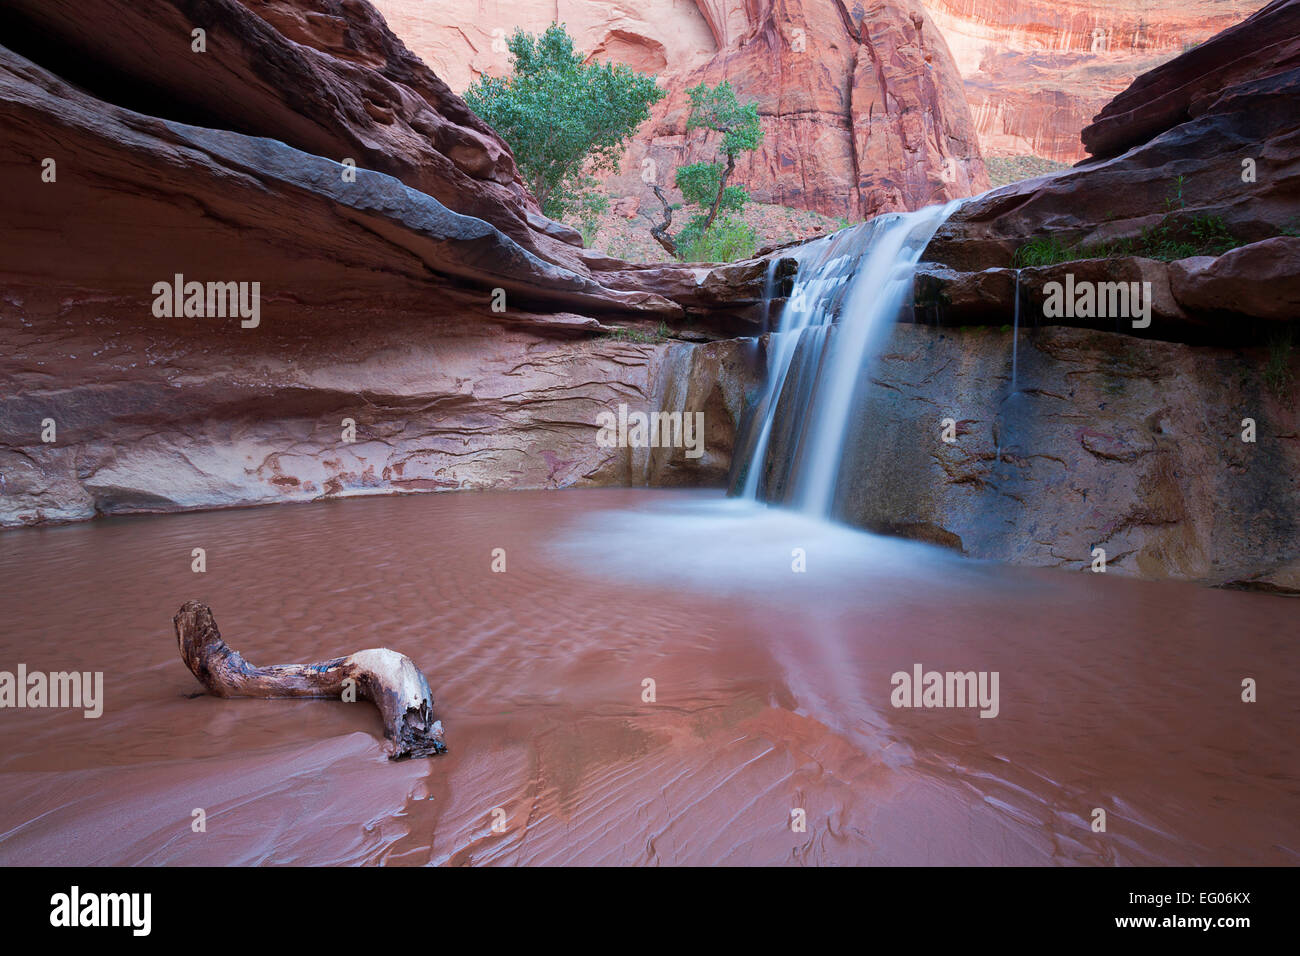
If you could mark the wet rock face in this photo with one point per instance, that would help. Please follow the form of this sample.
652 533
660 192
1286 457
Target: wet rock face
1171 444
1243 297
1177 461
716 382
1110 441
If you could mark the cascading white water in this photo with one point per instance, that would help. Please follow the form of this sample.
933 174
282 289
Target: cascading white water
825 266
856 281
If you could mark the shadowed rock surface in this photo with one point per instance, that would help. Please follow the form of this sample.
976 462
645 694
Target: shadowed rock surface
336 83
1109 441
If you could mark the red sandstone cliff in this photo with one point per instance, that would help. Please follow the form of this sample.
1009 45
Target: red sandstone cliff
862 110
861 103
1036 71
375 301
375 283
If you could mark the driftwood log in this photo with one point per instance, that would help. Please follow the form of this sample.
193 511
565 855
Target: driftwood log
389 679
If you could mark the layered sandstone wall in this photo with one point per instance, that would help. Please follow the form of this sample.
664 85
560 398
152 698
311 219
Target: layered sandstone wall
398 342
383 398
1033 72
376 309
861 104
862 111
463 41
1037 71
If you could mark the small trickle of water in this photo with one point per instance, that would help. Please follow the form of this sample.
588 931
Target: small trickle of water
1015 339
769 292
856 281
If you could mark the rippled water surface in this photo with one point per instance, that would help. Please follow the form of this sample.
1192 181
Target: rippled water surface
772 693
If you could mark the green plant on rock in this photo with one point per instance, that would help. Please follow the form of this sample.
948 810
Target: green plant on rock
563 117
1175 198
727 240
1174 237
707 186
1042 251
623 333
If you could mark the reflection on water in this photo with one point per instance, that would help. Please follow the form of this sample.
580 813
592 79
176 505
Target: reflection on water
771 694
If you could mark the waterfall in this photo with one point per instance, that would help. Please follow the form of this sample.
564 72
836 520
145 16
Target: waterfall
846 298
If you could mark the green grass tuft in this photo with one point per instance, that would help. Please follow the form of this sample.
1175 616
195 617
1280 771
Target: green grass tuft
1175 237
1277 373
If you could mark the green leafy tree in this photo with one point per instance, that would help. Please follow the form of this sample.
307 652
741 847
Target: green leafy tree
562 117
706 185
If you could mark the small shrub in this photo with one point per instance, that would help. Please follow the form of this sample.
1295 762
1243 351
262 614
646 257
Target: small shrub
1175 197
621 333
727 240
1173 238
1043 252
705 185
563 117
1277 373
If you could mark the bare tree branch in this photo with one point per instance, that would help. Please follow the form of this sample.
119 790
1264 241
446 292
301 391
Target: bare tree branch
660 232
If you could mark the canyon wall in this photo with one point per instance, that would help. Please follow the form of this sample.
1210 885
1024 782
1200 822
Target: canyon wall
1113 441
862 111
351 400
419 326
1037 71
379 360
1033 72
861 104
1173 444
463 41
